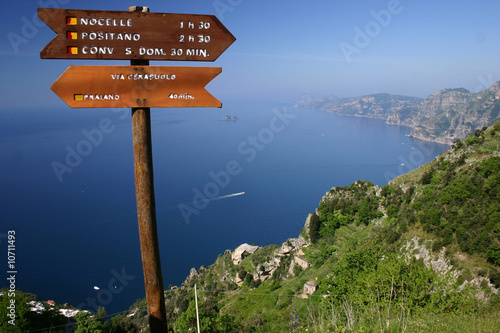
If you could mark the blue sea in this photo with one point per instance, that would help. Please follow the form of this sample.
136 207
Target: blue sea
67 188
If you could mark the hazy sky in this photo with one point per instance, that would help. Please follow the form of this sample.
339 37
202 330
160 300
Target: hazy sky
286 48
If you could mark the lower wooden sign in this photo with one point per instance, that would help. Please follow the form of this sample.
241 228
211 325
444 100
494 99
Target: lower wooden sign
136 86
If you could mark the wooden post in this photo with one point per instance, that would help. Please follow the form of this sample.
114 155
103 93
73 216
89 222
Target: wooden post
146 212
197 313
153 29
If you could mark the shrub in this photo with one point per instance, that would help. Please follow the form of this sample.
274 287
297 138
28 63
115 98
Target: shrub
427 177
493 255
458 144
472 140
495 278
314 228
496 126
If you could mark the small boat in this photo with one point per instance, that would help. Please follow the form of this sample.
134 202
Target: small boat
230 118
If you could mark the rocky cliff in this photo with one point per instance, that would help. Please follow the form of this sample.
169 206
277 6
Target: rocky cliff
444 116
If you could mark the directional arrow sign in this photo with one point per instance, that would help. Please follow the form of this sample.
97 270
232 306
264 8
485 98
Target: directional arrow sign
136 86
116 35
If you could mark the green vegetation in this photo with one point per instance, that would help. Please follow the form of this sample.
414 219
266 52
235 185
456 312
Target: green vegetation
92 323
457 198
419 254
15 314
22 319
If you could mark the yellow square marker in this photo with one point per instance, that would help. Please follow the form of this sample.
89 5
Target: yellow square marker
78 97
72 50
72 35
71 20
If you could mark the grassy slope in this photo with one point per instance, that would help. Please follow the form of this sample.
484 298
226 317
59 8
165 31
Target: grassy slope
445 212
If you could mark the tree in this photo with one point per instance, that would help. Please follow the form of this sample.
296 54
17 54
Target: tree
187 321
226 324
427 177
493 254
123 324
14 312
86 323
329 222
314 226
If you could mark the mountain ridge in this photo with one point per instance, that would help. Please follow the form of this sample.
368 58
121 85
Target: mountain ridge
445 116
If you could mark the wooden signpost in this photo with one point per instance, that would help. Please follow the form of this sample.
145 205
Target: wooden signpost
138 36
136 86
98 34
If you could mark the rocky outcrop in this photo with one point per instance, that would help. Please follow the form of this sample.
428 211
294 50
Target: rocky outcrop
265 270
419 249
438 262
451 114
444 116
192 275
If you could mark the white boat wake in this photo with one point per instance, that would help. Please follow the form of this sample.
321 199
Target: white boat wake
227 196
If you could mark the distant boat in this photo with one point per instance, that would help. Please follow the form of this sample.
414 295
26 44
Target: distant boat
229 118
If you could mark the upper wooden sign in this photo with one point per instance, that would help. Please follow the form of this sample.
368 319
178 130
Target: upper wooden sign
118 35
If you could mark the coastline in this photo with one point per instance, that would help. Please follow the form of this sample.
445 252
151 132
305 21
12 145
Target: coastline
440 140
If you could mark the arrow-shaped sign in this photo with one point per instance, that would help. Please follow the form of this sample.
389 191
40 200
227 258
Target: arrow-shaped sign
136 86
117 35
